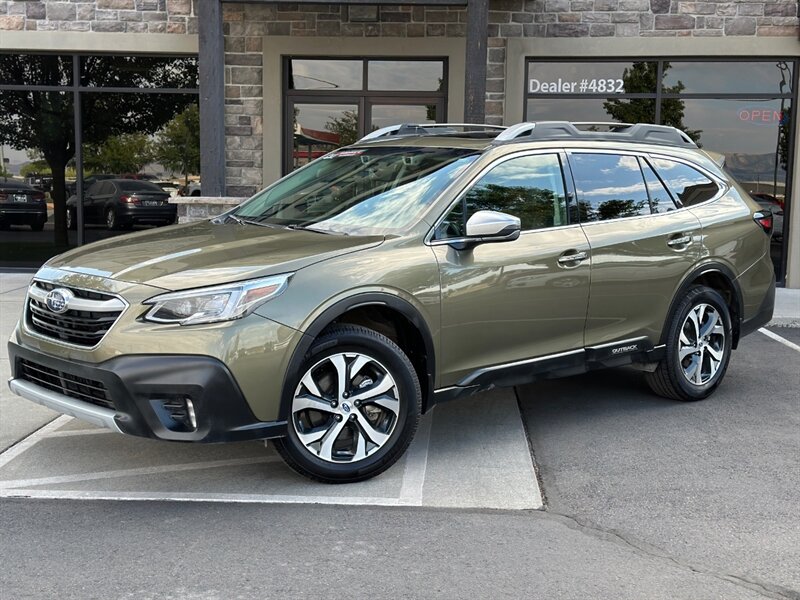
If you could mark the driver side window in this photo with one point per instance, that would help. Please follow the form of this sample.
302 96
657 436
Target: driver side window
529 187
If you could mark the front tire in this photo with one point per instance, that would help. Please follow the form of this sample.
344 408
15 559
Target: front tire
356 403
111 219
698 347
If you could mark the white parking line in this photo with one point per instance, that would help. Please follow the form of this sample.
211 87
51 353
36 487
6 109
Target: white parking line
175 468
780 339
34 438
197 497
417 464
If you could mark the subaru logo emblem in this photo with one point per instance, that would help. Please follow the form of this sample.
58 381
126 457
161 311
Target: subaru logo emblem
58 300
346 407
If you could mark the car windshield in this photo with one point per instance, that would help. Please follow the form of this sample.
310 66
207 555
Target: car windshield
359 191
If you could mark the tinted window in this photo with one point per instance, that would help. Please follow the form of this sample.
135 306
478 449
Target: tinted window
138 186
610 186
729 77
687 184
660 200
528 187
95 188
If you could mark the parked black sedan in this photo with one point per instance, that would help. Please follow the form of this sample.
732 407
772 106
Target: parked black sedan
21 204
122 203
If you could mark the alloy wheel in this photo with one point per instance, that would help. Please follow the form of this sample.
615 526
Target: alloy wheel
701 344
345 407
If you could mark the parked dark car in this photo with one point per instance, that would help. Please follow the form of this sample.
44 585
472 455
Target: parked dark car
72 186
21 204
122 203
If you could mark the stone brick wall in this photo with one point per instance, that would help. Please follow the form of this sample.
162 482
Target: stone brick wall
135 16
623 19
245 26
200 208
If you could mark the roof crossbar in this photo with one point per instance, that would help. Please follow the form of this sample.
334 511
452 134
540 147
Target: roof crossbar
615 132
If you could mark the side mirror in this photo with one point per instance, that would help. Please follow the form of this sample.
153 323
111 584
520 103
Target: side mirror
492 226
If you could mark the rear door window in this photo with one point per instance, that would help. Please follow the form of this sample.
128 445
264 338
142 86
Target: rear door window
686 183
609 186
660 199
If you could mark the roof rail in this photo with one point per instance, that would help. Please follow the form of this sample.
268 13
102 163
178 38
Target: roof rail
450 129
622 132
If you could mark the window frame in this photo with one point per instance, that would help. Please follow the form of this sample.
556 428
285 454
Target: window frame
566 176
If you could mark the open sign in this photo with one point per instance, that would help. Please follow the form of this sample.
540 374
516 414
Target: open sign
764 116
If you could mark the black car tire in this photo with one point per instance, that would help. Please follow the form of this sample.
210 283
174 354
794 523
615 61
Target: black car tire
669 380
351 338
37 226
111 219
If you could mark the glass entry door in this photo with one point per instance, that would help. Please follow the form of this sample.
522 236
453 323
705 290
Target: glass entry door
333 102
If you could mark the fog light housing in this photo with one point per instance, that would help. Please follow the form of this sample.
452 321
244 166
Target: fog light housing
176 412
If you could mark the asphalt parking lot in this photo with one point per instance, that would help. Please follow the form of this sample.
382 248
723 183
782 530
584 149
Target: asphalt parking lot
634 496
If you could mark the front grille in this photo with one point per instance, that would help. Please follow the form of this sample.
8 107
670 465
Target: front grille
84 325
68 384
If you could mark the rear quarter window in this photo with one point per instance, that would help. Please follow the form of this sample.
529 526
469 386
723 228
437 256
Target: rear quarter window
686 183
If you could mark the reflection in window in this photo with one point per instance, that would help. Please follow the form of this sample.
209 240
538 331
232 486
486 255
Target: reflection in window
384 115
528 187
729 77
406 75
609 186
318 74
35 69
660 200
139 71
689 185
320 128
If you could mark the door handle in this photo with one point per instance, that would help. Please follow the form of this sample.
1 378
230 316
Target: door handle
574 257
679 241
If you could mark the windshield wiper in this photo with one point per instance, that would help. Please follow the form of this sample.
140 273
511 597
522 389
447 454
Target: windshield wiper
308 228
242 221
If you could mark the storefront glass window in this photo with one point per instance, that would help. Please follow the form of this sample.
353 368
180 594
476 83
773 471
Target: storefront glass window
731 77
320 128
144 132
384 115
405 75
318 74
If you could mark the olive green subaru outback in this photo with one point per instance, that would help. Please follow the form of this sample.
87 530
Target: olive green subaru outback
421 264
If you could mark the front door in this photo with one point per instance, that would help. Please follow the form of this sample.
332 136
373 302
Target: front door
512 301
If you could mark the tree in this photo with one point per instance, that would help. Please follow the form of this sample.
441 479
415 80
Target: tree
123 153
43 121
177 146
346 127
642 77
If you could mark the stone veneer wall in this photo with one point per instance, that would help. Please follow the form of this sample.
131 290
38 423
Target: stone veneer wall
246 24
135 16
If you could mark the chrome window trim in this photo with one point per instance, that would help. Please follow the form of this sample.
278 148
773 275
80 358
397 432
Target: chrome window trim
429 241
39 336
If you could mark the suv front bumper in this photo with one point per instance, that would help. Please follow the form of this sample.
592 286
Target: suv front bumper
170 397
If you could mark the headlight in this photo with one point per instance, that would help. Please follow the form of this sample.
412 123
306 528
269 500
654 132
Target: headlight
213 304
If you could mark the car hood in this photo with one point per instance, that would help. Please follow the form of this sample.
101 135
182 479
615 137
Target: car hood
200 254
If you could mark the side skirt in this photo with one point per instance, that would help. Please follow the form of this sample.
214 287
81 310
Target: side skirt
636 351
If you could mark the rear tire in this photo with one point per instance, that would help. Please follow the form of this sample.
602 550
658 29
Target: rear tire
38 226
356 403
698 347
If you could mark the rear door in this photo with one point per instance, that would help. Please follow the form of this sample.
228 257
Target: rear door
642 244
519 300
